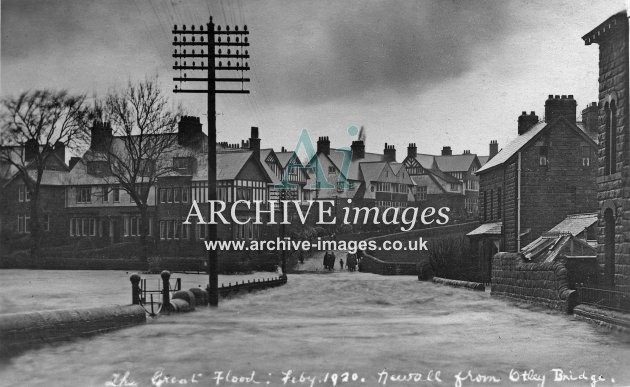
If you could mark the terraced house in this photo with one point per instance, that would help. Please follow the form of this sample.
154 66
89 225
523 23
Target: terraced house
99 208
545 174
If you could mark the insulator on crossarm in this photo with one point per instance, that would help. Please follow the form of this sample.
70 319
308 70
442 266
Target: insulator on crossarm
219 39
175 51
192 27
237 40
228 39
201 27
235 28
193 52
175 38
184 52
245 27
245 39
229 52
193 63
184 39
175 87
227 28
193 38
219 51
220 64
175 27
184 75
229 63
202 39
246 52
176 63
218 28
184 27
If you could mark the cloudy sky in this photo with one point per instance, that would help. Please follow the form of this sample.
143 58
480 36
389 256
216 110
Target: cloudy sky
432 72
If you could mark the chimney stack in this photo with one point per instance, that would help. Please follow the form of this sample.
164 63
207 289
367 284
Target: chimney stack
358 149
60 150
101 135
188 130
30 149
590 117
525 122
254 141
494 149
389 153
560 106
466 152
323 145
412 150
446 151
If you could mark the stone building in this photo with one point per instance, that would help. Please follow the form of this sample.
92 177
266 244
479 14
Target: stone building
545 174
613 176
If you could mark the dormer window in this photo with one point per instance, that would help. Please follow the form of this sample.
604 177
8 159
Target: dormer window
182 164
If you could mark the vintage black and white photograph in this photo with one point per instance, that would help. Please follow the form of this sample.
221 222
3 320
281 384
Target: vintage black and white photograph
305 193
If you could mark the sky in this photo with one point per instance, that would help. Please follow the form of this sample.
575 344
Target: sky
431 72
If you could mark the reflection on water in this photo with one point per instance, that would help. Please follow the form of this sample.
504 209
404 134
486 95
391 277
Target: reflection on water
333 323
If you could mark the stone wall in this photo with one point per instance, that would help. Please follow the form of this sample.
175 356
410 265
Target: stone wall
612 189
537 283
21 330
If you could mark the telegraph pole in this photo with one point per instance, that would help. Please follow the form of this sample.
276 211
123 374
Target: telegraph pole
208 45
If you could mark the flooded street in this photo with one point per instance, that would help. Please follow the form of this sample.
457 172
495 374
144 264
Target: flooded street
334 323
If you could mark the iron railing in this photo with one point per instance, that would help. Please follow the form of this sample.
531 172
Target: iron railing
604 298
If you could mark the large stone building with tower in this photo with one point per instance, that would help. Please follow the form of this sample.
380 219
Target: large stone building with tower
613 177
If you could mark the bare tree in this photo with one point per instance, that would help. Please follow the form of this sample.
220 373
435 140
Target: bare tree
144 127
35 122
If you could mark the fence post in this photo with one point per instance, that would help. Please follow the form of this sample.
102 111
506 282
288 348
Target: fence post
135 289
166 277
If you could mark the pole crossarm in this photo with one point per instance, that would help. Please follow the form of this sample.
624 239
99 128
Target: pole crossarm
208 39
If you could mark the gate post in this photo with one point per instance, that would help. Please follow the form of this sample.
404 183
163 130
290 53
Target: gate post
166 276
135 289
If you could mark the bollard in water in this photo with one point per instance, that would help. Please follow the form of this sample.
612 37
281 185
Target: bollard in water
166 276
135 289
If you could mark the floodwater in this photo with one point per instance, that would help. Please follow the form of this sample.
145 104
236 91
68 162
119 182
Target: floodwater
323 325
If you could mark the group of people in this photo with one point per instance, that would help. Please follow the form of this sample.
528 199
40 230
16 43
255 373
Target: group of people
352 260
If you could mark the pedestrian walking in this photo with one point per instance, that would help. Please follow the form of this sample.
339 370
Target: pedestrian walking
341 263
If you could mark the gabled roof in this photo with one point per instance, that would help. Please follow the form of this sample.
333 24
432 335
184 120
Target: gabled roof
455 163
522 140
444 176
264 155
285 157
426 161
336 156
483 160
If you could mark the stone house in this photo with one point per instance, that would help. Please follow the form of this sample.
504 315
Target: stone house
545 174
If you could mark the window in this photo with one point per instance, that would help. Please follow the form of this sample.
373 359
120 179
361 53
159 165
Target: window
105 194
610 155
181 164
485 206
454 187
84 194
163 193
169 195
586 155
491 204
116 194
499 203
544 151
24 195
243 194
421 193
185 194
178 194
